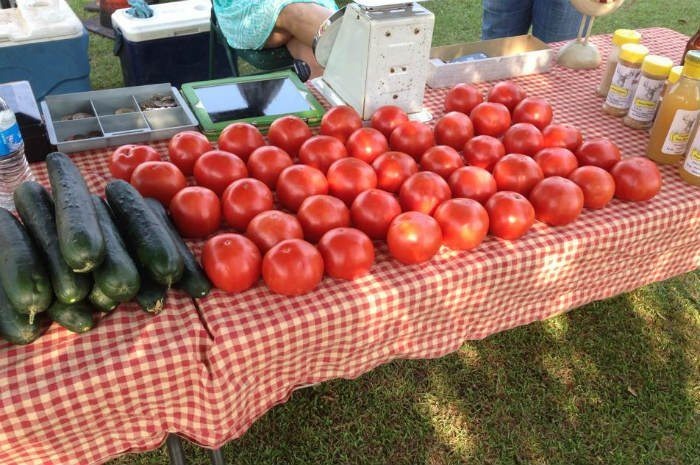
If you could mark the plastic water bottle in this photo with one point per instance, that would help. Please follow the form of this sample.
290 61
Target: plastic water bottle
14 169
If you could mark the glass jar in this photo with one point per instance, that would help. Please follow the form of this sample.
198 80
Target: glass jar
690 169
619 38
646 98
625 79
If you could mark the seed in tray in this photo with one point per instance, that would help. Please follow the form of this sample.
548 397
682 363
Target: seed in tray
77 137
159 101
121 111
78 115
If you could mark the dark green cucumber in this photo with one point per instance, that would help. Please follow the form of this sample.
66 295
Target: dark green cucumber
152 294
22 274
36 209
100 301
77 317
117 275
144 234
193 280
15 327
79 234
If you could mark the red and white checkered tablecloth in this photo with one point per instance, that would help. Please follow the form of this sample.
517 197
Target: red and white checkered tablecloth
120 388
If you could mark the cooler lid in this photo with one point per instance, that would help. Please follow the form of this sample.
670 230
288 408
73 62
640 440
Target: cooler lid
38 21
172 19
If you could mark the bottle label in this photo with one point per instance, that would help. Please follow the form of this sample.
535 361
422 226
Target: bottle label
692 161
10 140
676 141
646 99
624 82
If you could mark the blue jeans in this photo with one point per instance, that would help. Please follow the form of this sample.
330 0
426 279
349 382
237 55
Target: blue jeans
551 20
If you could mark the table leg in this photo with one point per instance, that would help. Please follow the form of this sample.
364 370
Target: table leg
217 457
177 457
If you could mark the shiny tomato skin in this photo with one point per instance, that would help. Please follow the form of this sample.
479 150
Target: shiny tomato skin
423 192
292 267
186 147
507 93
392 169
266 163
319 214
557 201
483 151
414 237
232 262
412 138
347 253
533 110
321 151
387 118
511 215
597 185
556 161
463 98
366 144
373 211
126 158
562 135
196 212
464 223
348 177
472 182
600 152
241 139
523 138
636 179
158 179
340 122
288 133
490 119
441 159
243 200
297 182
454 129
518 173
271 227
217 169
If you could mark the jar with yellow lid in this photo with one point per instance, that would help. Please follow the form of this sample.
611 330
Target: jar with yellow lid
690 169
625 79
620 38
646 98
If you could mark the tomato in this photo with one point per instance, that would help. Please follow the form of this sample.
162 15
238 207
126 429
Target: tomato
126 158
483 151
321 151
523 138
562 135
288 133
412 138
185 147
510 215
366 144
373 211
454 129
196 212
348 177
414 237
243 200
491 119
347 253
340 122
636 179
441 159
392 169
217 169
232 262
271 227
598 185
297 182
241 139
387 118
266 163
556 161
598 152
319 214
463 98
292 267
518 173
472 182
507 93
158 179
533 110
423 192
557 201
463 222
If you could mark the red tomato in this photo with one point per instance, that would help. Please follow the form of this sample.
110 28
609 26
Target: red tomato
413 237
217 169
637 179
126 158
241 139
491 119
321 151
387 118
297 182
340 122
483 151
373 211
288 133
507 93
598 152
523 138
463 98
350 176
533 110
232 262
464 223
441 159
562 135
266 163
347 253
196 212
292 267
454 129
598 185
556 161
472 182
510 215
366 144
185 147
412 138
319 214
158 179
423 192
392 169
271 227
557 201
518 173
243 200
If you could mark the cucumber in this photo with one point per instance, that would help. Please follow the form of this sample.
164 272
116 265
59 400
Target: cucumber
193 280
77 317
36 209
152 295
22 274
79 234
15 327
117 276
145 236
100 301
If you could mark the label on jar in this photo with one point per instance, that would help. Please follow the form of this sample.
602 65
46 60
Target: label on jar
692 160
676 141
622 87
10 140
646 99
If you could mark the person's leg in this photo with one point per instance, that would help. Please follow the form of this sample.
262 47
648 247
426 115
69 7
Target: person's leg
505 18
555 20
